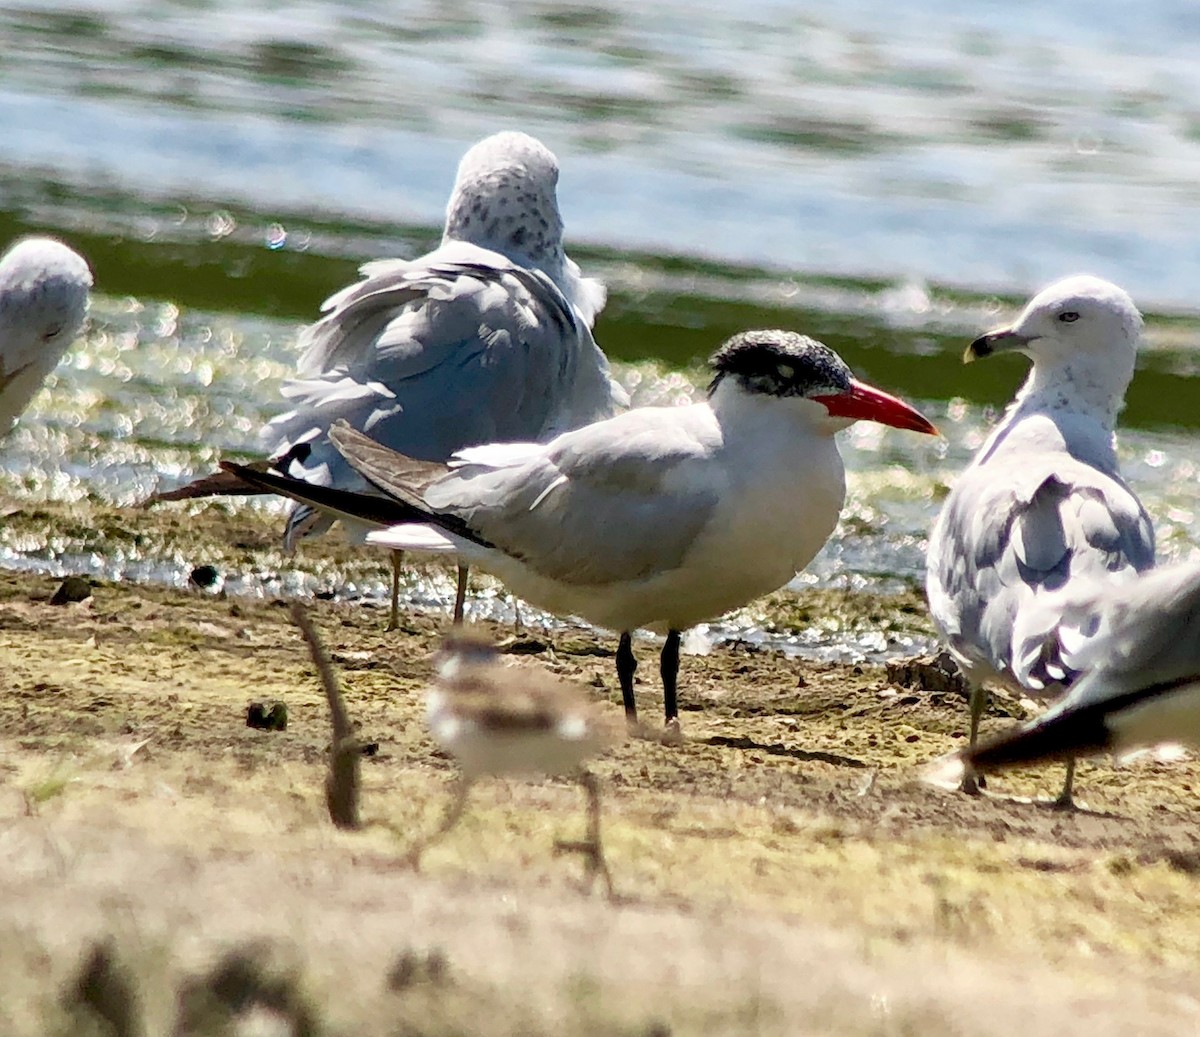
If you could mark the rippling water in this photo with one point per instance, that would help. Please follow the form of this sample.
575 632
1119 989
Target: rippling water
889 178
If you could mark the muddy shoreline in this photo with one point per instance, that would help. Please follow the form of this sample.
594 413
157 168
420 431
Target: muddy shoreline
789 836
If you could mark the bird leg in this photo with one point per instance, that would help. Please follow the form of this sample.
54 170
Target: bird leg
1066 798
460 595
397 562
591 847
669 668
972 782
626 665
454 813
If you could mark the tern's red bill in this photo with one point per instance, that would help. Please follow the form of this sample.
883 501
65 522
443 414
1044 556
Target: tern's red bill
862 402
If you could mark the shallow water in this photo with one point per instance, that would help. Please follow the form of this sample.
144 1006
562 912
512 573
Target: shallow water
887 179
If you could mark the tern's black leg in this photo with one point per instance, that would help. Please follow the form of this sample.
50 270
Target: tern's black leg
460 595
626 664
669 668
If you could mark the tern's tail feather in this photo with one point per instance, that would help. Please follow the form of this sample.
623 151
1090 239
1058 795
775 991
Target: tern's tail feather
363 507
219 484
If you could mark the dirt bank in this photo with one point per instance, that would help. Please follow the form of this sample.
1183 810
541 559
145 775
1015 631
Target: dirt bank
781 872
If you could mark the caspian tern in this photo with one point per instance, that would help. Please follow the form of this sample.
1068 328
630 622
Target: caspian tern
486 339
660 517
498 720
43 303
1140 645
1042 508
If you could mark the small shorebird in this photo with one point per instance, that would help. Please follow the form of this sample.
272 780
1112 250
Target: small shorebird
500 721
43 303
1141 649
1042 510
660 517
485 339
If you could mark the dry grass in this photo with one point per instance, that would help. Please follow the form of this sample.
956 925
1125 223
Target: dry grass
782 872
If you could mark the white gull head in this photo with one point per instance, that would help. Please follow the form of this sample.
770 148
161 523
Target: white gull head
43 303
1082 335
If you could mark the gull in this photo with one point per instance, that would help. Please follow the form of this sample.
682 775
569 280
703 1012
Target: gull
1042 509
1140 644
43 303
486 339
499 721
660 517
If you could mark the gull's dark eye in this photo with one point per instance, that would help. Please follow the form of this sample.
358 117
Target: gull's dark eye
1068 317
51 332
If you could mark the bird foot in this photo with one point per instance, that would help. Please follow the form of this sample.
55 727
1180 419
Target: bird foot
593 854
972 784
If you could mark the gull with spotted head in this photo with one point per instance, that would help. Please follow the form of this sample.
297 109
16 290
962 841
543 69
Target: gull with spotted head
661 517
44 288
1042 509
486 339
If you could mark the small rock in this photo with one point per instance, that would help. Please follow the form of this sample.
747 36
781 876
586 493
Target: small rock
73 588
937 673
206 577
267 716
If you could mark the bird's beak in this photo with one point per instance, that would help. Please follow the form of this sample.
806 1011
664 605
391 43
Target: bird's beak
1000 341
862 402
6 377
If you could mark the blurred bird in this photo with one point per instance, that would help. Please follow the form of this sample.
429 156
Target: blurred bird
1042 509
498 720
43 304
660 517
486 339
1139 644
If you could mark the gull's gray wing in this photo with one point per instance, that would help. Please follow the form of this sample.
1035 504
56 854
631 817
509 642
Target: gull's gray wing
1013 539
472 348
618 500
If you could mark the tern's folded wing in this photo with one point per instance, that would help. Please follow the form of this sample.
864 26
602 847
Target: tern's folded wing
619 500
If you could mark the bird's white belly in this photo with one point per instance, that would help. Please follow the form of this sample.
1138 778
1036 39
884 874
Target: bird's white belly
757 540
481 751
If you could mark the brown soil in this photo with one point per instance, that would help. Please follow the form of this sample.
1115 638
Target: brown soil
165 868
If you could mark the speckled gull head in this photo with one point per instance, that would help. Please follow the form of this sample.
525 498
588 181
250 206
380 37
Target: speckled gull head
43 303
1079 319
504 199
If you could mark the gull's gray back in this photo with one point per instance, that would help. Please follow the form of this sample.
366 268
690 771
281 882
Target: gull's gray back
460 348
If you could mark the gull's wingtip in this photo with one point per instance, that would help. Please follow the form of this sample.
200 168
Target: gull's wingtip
946 772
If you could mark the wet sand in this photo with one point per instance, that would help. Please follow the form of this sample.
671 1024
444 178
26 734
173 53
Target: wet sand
783 871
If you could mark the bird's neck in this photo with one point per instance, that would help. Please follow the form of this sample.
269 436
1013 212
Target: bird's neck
1081 399
1076 387
760 420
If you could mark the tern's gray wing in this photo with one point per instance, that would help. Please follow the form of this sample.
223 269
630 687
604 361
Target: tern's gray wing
472 347
619 500
1011 537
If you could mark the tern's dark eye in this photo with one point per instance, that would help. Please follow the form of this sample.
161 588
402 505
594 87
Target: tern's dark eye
1068 317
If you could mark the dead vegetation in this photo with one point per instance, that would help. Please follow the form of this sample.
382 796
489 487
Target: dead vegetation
166 869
